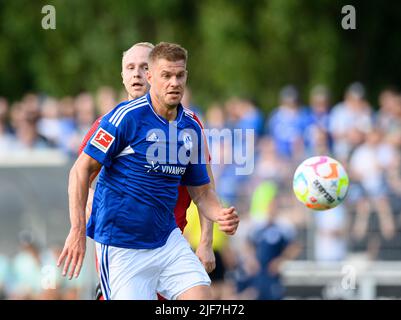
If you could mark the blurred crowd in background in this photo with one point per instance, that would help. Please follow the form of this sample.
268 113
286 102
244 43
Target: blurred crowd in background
365 136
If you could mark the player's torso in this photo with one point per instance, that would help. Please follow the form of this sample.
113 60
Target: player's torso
155 159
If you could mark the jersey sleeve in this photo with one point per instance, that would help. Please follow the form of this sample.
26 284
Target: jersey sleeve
196 173
110 138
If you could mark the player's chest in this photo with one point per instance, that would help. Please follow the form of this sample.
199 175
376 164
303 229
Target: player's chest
165 144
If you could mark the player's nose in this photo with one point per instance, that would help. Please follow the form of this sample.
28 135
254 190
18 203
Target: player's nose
136 73
174 82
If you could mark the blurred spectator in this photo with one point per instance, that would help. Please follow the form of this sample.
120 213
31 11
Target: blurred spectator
387 108
368 189
26 267
85 115
4 276
49 124
316 136
64 289
389 120
228 151
330 236
105 100
393 179
269 165
269 246
261 200
321 143
6 138
188 102
354 113
25 119
215 118
286 124
214 123
67 123
85 111
246 115
228 182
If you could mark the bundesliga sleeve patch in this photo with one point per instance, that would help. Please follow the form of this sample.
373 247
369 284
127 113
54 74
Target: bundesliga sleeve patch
102 140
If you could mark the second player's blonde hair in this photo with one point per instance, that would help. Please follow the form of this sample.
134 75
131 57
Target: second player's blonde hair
140 44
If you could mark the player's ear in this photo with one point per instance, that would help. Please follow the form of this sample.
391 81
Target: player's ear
149 76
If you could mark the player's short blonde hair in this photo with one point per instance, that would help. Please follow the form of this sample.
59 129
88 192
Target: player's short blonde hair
168 51
140 44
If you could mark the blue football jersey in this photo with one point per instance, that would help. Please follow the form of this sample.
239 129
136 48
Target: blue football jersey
144 158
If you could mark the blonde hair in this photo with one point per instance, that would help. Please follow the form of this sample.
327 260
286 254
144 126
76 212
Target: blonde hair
140 44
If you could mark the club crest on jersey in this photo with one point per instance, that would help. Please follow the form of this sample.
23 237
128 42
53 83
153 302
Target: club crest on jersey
187 141
102 140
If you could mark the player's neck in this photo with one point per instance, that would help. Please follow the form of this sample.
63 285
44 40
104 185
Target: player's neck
167 112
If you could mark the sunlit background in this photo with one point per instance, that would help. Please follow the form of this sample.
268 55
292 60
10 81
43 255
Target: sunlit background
285 68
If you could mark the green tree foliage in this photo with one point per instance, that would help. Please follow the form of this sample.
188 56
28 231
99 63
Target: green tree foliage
237 47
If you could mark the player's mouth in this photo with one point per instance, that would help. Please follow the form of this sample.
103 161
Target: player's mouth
174 93
137 85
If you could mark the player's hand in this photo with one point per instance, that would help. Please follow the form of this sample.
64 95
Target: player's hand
206 256
228 221
73 253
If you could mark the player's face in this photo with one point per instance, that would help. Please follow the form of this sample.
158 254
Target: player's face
167 80
134 67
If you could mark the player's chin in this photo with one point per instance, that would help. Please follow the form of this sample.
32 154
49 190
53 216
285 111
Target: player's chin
173 99
137 92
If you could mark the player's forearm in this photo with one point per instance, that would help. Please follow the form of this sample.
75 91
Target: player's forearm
206 230
208 203
291 252
205 223
91 193
78 195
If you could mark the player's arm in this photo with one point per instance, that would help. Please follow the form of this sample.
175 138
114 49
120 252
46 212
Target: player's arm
205 198
207 224
84 143
290 252
204 250
203 193
75 244
91 194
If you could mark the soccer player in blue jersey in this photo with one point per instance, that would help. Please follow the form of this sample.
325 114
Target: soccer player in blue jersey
141 251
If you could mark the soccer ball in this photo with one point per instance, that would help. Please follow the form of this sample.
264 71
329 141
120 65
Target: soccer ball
320 183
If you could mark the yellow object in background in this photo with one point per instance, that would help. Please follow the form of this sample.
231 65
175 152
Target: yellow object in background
192 231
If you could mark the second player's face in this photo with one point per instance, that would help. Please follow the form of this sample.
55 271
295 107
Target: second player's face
134 67
168 79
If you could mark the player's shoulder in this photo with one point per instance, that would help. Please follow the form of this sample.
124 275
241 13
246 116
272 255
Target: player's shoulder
127 110
192 119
